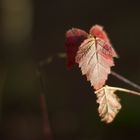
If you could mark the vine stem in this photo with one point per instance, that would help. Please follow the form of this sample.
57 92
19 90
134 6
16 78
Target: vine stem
120 77
118 89
124 90
125 80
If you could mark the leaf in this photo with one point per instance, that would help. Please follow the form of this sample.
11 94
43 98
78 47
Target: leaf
95 57
109 104
98 31
74 38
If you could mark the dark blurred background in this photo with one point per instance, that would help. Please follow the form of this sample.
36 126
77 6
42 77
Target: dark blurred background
33 30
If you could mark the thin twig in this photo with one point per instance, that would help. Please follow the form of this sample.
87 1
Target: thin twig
46 124
50 59
124 90
118 89
122 78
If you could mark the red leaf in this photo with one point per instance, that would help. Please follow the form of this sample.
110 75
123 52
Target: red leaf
97 31
74 38
95 57
95 53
